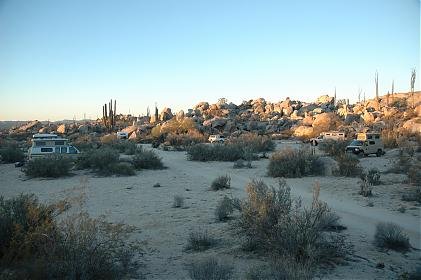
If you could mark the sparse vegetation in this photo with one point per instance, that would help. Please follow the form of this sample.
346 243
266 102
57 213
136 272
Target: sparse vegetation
52 167
372 177
209 269
34 245
224 209
391 236
273 223
255 143
413 195
216 152
199 241
220 183
333 148
241 164
291 163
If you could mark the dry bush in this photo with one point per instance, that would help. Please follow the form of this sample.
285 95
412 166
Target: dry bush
275 224
240 164
199 241
182 141
11 153
51 166
209 269
178 201
372 177
256 143
220 183
413 195
391 236
281 269
333 148
34 245
349 165
147 159
414 174
224 209
291 163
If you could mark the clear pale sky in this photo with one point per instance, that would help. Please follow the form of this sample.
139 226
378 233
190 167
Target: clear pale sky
60 59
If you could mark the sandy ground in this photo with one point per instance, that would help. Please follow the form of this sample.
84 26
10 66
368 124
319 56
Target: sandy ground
164 229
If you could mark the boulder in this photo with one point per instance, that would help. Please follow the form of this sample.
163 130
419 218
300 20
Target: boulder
180 115
325 99
350 118
61 129
215 122
30 126
165 115
368 117
307 121
202 106
417 110
303 131
413 125
324 121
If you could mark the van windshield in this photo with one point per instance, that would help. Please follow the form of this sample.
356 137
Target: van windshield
356 143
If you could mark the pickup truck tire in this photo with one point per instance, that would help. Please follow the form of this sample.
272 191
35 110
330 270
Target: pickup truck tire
379 153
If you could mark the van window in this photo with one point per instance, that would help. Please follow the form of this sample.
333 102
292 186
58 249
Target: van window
369 136
46 150
372 142
63 150
59 143
377 136
57 150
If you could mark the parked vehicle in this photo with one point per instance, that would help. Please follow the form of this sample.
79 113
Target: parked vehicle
50 144
366 144
331 135
122 135
217 138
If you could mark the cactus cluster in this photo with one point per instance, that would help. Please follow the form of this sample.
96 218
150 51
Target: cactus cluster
109 115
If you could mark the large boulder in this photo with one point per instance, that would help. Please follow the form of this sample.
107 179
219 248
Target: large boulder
304 131
215 122
180 115
32 125
413 125
324 121
165 115
202 106
368 117
325 99
61 129
417 110
350 118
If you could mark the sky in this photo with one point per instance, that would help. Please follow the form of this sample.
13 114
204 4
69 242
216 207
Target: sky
64 59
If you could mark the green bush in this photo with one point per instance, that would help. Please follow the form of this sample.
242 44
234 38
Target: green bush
209 269
349 165
291 163
220 183
144 159
271 222
34 245
52 166
255 143
216 152
391 236
11 154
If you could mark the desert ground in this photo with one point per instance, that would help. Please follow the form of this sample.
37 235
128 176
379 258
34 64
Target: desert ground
163 229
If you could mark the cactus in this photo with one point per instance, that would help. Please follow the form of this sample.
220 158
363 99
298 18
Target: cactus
376 81
109 115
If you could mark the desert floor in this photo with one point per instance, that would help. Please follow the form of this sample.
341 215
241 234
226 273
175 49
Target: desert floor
164 230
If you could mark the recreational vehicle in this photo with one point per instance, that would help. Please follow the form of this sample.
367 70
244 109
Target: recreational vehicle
330 135
366 144
50 144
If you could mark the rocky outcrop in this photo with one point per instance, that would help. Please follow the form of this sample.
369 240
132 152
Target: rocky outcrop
413 125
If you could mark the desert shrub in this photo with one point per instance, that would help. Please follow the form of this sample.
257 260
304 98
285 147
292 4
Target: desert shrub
291 163
349 165
224 209
413 275
52 166
282 269
35 245
147 159
241 164
413 195
414 174
403 163
182 141
256 143
216 152
273 223
178 201
11 154
220 183
333 148
391 236
199 241
123 146
372 177
209 269
120 168
366 188
109 139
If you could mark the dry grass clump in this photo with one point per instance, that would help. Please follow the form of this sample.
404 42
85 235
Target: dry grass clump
199 241
275 224
209 269
52 166
391 236
182 141
291 163
146 159
220 183
413 195
34 245
283 269
224 209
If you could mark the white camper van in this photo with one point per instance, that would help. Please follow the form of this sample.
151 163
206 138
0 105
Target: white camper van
366 144
330 135
50 144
